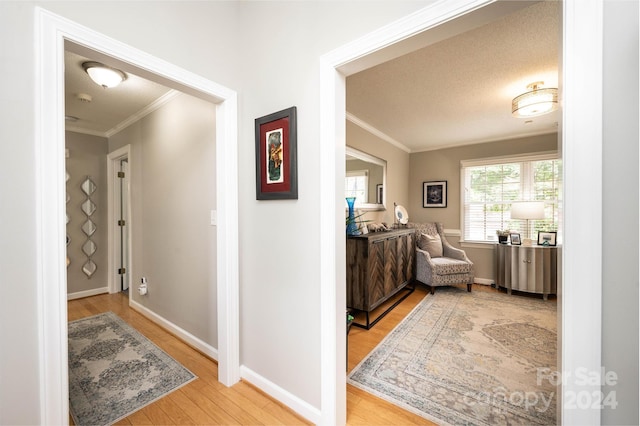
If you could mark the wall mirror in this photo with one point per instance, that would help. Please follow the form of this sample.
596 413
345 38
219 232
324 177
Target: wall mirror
366 179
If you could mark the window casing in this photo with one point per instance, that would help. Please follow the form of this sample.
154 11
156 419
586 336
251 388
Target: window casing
489 187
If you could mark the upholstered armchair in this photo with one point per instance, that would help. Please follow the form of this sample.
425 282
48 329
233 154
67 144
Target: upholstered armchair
438 263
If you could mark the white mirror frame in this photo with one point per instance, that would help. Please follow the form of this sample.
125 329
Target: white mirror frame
375 160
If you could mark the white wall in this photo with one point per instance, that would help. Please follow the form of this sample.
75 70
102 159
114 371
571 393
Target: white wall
279 240
268 52
173 191
620 210
19 328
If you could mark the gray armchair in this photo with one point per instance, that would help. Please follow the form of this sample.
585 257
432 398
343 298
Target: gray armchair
438 263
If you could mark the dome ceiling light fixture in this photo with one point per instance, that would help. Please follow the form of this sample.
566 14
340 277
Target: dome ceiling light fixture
536 101
104 75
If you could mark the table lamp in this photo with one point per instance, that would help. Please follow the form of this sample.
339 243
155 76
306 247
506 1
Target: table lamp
528 210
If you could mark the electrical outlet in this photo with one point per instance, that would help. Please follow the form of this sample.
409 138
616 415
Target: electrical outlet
142 289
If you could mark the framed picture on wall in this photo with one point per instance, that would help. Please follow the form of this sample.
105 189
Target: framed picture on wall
276 156
434 194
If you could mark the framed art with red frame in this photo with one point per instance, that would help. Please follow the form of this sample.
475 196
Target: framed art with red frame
276 156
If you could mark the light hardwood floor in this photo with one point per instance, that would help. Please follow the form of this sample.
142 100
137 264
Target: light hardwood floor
205 401
362 407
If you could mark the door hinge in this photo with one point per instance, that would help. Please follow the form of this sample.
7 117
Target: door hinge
121 175
121 222
122 271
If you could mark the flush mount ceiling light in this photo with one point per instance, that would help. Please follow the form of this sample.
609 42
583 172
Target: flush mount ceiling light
104 75
536 101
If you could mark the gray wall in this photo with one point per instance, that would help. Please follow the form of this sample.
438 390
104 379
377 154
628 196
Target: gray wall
280 240
229 43
87 157
444 164
397 169
173 191
225 42
620 210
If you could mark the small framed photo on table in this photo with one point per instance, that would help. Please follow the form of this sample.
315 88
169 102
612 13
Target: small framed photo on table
547 238
515 239
434 194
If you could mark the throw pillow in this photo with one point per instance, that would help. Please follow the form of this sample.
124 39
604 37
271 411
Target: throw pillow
432 244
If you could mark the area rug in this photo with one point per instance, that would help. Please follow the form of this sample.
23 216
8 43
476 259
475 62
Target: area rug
114 370
459 358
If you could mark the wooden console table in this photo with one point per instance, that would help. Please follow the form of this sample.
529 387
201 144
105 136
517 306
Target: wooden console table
379 265
533 269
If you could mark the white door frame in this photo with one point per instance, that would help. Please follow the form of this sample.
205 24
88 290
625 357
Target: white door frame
581 300
51 32
113 206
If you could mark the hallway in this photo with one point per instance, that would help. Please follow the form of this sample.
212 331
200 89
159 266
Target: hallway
204 400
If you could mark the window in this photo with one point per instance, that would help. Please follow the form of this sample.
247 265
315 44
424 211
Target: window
357 185
490 186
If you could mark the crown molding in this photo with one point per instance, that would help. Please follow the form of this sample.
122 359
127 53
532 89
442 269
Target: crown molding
162 100
369 128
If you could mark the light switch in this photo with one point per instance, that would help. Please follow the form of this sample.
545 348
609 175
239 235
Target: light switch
214 218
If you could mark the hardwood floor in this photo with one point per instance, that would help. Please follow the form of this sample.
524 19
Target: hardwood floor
203 401
362 407
207 402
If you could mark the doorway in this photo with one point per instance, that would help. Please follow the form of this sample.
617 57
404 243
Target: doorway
578 348
122 243
52 33
119 220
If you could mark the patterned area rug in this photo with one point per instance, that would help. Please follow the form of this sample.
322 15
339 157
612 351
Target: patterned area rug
459 358
114 370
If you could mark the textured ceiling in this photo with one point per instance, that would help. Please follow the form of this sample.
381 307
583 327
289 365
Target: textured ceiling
458 91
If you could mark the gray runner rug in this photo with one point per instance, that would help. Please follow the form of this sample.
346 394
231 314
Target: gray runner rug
459 358
114 370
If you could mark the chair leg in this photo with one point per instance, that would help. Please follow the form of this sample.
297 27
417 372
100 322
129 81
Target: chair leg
469 288
433 289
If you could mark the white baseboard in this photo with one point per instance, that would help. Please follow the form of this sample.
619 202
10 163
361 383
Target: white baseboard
296 404
182 334
87 293
483 281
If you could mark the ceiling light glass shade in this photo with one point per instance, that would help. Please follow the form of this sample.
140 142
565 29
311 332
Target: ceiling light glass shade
535 102
103 75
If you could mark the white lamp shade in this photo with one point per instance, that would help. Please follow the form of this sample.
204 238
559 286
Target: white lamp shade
527 210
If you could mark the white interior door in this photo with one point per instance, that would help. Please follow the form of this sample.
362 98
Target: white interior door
124 270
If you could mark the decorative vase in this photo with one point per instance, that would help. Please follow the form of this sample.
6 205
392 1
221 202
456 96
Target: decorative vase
352 227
